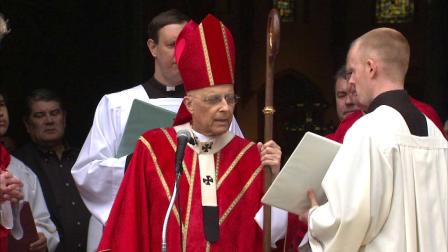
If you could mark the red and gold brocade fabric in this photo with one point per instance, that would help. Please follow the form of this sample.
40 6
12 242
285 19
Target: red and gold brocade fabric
136 220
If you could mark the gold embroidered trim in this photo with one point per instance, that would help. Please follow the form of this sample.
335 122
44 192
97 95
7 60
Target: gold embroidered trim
240 195
218 163
206 56
167 191
190 198
226 44
234 163
171 141
159 173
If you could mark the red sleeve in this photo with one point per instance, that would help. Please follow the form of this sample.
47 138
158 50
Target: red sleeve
5 158
128 226
344 126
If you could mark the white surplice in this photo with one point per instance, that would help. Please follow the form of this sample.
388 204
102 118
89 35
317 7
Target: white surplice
32 192
386 189
98 172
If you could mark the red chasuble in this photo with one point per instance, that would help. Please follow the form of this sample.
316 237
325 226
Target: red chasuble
5 158
136 219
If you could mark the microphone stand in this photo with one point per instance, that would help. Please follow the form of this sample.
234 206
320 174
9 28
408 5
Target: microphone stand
168 211
183 137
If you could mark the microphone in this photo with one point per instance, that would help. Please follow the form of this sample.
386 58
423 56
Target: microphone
183 137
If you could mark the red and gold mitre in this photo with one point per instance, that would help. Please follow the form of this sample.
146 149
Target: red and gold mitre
205 56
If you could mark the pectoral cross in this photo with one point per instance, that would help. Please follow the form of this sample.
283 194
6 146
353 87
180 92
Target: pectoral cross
207 180
206 147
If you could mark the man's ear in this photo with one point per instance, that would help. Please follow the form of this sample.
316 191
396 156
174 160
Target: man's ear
372 68
188 101
152 46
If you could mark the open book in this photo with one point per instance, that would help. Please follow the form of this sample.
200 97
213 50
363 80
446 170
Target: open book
304 170
143 117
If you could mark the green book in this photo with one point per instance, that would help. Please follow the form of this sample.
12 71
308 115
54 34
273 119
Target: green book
143 117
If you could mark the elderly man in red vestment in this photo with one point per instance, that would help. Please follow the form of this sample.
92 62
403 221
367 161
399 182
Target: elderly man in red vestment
222 181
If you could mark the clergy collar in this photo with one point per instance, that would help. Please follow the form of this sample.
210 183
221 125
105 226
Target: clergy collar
401 102
201 137
393 98
156 89
205 144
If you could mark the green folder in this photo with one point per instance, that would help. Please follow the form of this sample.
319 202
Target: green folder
143 117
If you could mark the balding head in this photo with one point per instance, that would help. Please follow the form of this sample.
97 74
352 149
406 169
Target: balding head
377 62
389 48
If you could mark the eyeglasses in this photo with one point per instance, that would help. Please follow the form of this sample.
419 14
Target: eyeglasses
212 100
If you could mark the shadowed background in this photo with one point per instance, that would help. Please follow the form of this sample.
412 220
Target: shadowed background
85 49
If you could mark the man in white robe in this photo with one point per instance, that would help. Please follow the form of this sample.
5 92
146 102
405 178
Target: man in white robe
387 186
98 171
